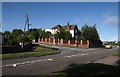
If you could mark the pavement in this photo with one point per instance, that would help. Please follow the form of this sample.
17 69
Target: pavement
52 63
109 60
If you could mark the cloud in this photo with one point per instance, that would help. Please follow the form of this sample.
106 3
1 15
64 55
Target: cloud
109 20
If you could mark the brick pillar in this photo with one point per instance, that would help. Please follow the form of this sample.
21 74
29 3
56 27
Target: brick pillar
88 43
53 41
49 40
58 40
42 40
68 41
81 42
45 39
76 43
39 40
33 41
61 41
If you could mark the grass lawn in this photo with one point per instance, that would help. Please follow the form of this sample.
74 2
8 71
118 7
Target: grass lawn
38 51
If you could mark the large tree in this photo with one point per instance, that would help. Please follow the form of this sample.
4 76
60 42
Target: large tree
15 33
32 34
90 33
63 34
8 39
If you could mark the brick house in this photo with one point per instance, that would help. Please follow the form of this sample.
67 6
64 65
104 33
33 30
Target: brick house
73 29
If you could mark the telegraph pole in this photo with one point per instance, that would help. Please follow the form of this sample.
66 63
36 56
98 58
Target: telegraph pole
27 23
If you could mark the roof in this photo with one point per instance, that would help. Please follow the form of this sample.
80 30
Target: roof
57 27
71 27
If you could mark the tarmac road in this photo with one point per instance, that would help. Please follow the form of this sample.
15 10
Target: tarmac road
47 64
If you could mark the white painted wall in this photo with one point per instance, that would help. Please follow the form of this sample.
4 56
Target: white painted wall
72 32
53 31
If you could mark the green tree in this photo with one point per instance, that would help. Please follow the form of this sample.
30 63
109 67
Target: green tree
63 34
23 39
40 33
79 35
90 33
8 39
32 34
15 33
48 34
7 34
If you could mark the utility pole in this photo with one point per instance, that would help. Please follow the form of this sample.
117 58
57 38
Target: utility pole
27 23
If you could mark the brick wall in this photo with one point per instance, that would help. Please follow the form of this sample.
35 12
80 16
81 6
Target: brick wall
62 42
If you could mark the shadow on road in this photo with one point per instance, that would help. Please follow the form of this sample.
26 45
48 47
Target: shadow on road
88 70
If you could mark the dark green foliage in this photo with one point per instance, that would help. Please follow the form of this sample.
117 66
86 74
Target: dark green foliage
8 39
16 32
23 39
32 34
62 34
43 34
90 33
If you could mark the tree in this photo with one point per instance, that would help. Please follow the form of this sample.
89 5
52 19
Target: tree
90 33
48 34
23 39
32 34
15 33
7 34
63 34
8 39
40 33
43 34
79 35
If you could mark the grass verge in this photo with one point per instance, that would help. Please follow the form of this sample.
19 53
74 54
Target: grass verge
38 51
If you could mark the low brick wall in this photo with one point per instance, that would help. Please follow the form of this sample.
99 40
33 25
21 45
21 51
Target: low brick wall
62 42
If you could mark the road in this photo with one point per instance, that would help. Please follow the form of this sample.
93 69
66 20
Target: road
47 64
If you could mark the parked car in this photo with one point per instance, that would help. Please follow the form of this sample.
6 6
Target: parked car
108 46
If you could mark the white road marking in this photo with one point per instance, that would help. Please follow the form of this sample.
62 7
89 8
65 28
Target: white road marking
76 55
23 63
49 59
61 52
82 54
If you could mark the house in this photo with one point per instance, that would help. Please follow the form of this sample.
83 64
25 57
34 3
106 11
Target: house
73 29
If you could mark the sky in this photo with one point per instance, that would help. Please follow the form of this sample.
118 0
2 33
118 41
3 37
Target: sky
48 14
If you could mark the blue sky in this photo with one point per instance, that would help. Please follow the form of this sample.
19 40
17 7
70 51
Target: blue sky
48 14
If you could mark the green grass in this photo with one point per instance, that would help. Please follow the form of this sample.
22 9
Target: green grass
39 51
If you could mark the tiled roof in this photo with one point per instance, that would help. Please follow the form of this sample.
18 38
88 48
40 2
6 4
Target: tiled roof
57 27
71 27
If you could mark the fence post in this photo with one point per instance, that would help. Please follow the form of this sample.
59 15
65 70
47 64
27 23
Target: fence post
68 41
81 42
49 40
61 41
88 43
45 40
58 40
42 40
76 43
39 40
53 41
